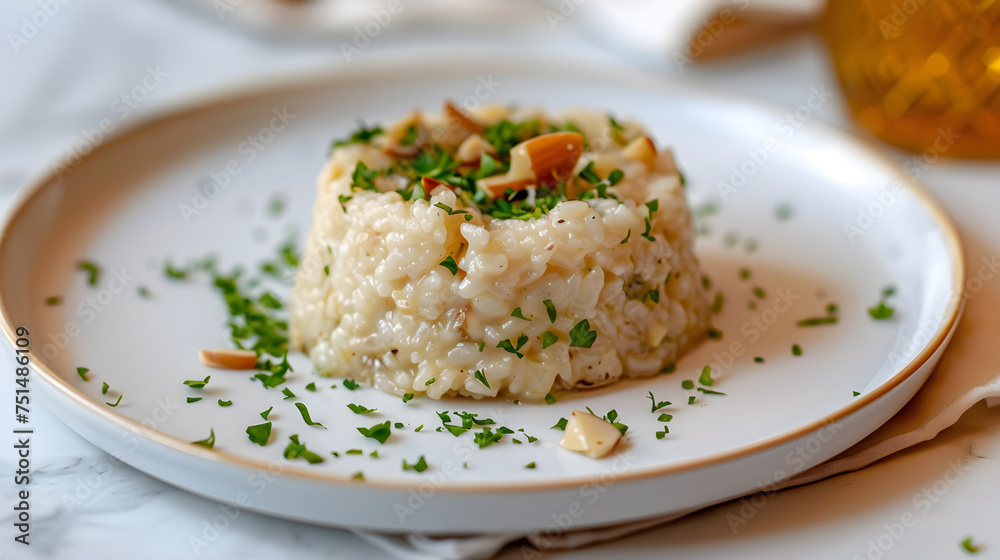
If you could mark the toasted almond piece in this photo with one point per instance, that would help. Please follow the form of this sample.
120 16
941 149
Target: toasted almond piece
458 119
228 358
542 160
641 149
473 148
590 435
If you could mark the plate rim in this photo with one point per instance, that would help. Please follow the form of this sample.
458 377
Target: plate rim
397 68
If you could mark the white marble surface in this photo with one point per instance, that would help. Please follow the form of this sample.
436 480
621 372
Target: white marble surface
85 505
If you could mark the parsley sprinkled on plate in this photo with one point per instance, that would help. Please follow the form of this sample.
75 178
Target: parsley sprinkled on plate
259 433
518 314
193 399
197 384
266 413
288 393
116 403
378 432
706 376
82 372
656 405
968 546
796 350
561 424
451 265
580 336
54 300
92 270
419 466
481 377
350 384
297 450
530 465
225 403
407 397
358 409
305 415
687 384
208 442
548 339
883 311
550 398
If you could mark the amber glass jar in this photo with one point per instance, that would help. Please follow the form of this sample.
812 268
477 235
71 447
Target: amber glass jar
920 74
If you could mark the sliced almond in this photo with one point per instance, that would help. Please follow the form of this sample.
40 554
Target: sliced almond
473 148
394 137
228 358
641 149
590 435
459 120
543 160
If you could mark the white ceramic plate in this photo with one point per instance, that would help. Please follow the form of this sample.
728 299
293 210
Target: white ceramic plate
122 206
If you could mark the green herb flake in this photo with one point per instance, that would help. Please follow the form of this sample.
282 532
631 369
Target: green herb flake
82 372
548 339
710 392
691 399
208 442
744 274
550 398
360 475
669 369
687 384
419 466
796 350
550 309
487 437
296 450
311 387
580 336
407 397
104 389
259 433
706 376
560 425
305 415
225 403
362 179
517 314
378 432
481 345
626 238
196 384
418 428
410 136
354 452
451 265
881 311
831 309
653 295
968 546
93 272
171 272
530 465
481 377
714 333
815 321
266 413
193 399
363 135
144 292
430 382
615 177
55 300
288 393
509 347
662 433
664 417
856 394
645 234
374 454
654 406
358 409
759 359
717 303
350 384
759 292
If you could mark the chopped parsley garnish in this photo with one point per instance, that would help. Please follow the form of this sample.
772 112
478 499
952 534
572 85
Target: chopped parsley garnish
710 392
193 399
560 425
311 387
744 274
266 413
55 300
350 384
550 398
580 336
430 381
196 384
856 394
82 372
362 135
360 475
418 428
750 245
831 309
288 393
611 417
796 350
451 265
296 450
104 389
667 279
653 295
548 339
93 272
363 179
662 433
410 136
706 376
144 292
305 415
759 292
208 442
378 432
717 304
452 212
487 437
481 378
374 454
225 403
714 333
354 452
646 234
505 134
783 212
687 384
550 309
814 321
407 397
588 174
344 199
530 465
656 405
669 369
616 176
706 282
882 311
358 409
276 206
627 237
419 466
664 417
758 359
968 546
176 273
518 314
516 350
691 399
259 433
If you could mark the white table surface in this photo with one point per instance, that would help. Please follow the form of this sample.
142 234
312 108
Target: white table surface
65 79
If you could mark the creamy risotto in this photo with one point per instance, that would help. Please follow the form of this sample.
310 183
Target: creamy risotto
498 251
